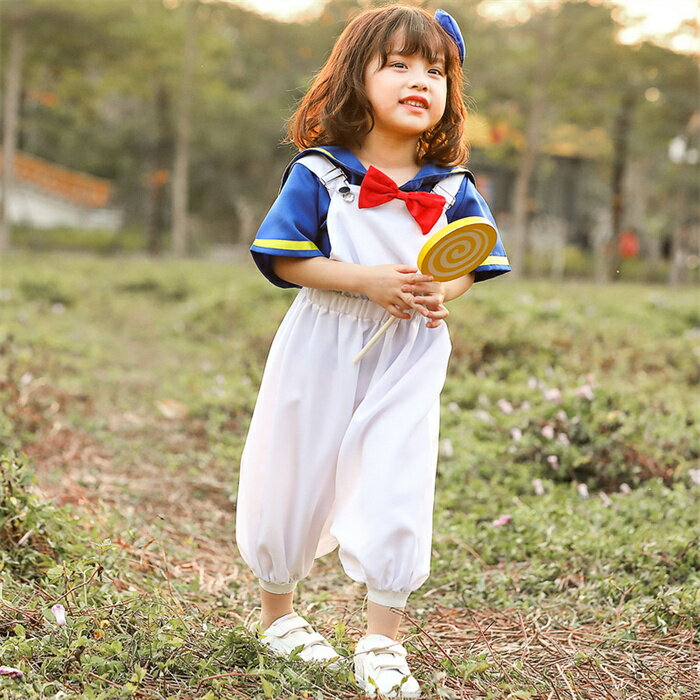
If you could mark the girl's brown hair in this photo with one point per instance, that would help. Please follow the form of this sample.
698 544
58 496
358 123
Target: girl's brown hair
336 110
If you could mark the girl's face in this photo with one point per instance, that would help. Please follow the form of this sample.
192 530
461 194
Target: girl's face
408 94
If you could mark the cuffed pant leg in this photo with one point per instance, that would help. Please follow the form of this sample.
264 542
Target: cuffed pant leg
390 599
277 588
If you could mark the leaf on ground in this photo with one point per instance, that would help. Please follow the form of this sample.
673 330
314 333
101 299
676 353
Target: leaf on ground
171 409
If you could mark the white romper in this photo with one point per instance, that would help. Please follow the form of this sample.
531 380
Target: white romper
344 455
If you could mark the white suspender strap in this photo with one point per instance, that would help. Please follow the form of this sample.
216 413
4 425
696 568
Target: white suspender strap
448 188
327 172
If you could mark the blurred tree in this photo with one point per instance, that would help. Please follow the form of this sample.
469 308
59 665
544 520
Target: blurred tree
102 85
183 134
15 20
39 30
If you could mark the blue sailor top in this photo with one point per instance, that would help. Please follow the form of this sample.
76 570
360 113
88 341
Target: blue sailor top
296 225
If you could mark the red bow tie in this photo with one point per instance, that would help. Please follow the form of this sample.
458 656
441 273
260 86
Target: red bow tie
424 207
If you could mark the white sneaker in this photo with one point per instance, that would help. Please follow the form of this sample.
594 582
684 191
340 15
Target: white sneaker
381 668
292 631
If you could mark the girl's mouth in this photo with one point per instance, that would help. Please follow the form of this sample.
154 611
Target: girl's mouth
413 101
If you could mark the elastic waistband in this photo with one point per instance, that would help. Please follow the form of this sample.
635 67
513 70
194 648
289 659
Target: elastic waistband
344 303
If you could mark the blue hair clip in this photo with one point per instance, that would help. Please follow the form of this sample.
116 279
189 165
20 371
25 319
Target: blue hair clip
448 23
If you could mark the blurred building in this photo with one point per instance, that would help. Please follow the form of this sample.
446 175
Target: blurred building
46 195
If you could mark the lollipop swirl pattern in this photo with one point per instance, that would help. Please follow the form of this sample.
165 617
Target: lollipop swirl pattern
457 249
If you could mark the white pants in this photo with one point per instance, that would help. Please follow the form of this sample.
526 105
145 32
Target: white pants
344 455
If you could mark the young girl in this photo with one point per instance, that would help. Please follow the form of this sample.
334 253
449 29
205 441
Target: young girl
343 455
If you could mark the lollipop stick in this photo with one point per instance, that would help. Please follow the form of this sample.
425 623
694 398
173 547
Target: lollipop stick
373 340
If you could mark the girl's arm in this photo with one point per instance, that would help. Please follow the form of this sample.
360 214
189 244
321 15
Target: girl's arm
456 288
397 288
383 284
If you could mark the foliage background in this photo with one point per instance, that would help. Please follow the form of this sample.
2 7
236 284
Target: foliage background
102 84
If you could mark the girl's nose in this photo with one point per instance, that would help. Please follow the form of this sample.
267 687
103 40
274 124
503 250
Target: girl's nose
418 84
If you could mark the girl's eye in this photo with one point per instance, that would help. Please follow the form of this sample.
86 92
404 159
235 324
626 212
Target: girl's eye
398 64
435 71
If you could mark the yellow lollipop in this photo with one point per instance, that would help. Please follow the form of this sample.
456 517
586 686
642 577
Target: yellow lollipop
453 251
457 249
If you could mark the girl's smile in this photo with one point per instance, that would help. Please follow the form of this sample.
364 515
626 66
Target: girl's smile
408 94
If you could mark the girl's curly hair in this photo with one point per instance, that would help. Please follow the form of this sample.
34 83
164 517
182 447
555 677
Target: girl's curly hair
336 110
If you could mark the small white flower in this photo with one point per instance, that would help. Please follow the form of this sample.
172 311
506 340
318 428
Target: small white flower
525 406
553 395
539 488
502 520
553 462
516 434
60 614
585 392
548 432
694 476
563 439
483 416
446 449
454 407
624 488
58 308
605 498
532 383
505 406
582 490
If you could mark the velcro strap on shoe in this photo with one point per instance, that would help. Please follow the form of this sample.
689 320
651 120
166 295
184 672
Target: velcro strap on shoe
391 658
292 624
313 639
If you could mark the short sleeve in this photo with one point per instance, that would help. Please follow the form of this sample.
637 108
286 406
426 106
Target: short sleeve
470 203
295 226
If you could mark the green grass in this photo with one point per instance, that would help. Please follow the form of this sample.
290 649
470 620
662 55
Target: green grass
128 386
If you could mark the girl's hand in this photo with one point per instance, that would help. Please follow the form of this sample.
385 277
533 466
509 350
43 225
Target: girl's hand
428 299
384 285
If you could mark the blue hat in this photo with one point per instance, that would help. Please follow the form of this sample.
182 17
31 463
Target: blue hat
448 23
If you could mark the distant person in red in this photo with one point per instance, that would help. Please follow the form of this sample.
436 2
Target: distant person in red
628 245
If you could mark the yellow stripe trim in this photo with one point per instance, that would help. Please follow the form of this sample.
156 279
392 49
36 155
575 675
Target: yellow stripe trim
323 150
496 260
280 244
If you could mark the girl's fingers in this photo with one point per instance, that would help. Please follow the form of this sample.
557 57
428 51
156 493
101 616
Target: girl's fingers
417 278
396 311
430 302
437 318
426 288
437 314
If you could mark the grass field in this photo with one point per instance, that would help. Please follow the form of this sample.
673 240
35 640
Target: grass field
567 530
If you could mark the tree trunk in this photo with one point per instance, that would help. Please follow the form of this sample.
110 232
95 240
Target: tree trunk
183 135
13 80
517 246
610 266
678 269
158 179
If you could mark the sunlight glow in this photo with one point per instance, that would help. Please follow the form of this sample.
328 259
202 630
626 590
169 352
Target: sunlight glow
671 23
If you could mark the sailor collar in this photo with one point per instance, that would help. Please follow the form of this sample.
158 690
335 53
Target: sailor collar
429 174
